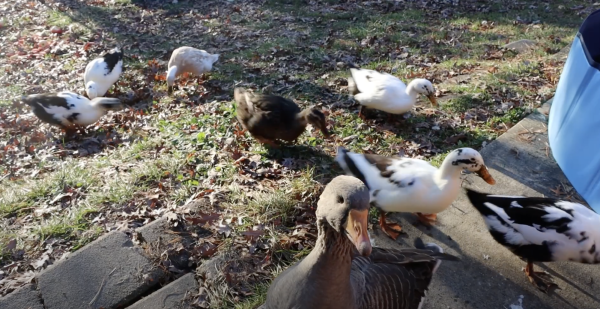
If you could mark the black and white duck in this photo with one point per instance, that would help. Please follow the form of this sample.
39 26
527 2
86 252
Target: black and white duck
69 110
343 271
541 230
101 73
412 185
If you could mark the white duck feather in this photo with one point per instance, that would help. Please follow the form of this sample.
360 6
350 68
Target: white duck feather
412 185
188 59
101 73
386 92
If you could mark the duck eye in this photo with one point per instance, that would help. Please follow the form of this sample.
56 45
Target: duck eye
340 199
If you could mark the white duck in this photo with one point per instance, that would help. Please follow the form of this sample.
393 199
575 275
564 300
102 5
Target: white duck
69 110
541 230
101 73
191 60
386 92
412 185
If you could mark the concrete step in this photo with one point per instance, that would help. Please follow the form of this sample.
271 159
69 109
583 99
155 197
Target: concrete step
107 273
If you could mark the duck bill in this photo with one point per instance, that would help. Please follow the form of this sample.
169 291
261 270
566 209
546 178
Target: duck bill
485 174
433 100
357 228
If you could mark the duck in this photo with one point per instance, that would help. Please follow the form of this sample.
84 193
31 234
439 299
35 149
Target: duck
191 60
412 185
69 110
101 73
269 118
541 230
344 271
385 92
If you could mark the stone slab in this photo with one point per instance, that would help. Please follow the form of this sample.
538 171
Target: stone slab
26 297
157 231
562 54
521 45
488 275
159 236
107 273
170 296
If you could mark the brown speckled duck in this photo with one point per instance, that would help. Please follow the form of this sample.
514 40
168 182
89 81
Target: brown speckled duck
344 271
270 117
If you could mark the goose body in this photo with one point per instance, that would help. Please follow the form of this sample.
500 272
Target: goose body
412 185
101 73
343 271
69 109
269 117
541 230
386 92
191 60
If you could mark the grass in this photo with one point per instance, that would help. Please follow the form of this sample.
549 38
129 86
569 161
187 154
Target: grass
186 144
59 19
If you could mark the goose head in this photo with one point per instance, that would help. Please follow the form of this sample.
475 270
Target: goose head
424 87
469 159
344 205
317 119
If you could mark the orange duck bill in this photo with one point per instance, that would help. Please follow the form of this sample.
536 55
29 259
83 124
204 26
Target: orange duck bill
484 173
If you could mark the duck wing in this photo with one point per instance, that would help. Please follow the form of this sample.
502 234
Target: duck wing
109 67
57 108
370 81
394 279
268 116
541 229
383 173
95 70
104 72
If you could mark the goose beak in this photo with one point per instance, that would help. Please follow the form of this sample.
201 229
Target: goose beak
357 228
485 174
432 98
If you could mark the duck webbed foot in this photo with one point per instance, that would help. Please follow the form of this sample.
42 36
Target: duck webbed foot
393 230
427 219
541 280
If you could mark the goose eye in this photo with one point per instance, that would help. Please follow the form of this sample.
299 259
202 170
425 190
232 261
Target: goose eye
340 199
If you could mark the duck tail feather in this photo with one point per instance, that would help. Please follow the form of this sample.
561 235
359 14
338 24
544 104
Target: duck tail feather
478 200
340 154
111 104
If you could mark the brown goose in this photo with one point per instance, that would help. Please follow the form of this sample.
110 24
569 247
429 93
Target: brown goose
343 271
270 117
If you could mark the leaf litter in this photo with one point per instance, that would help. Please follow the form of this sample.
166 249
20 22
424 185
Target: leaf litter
175 151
